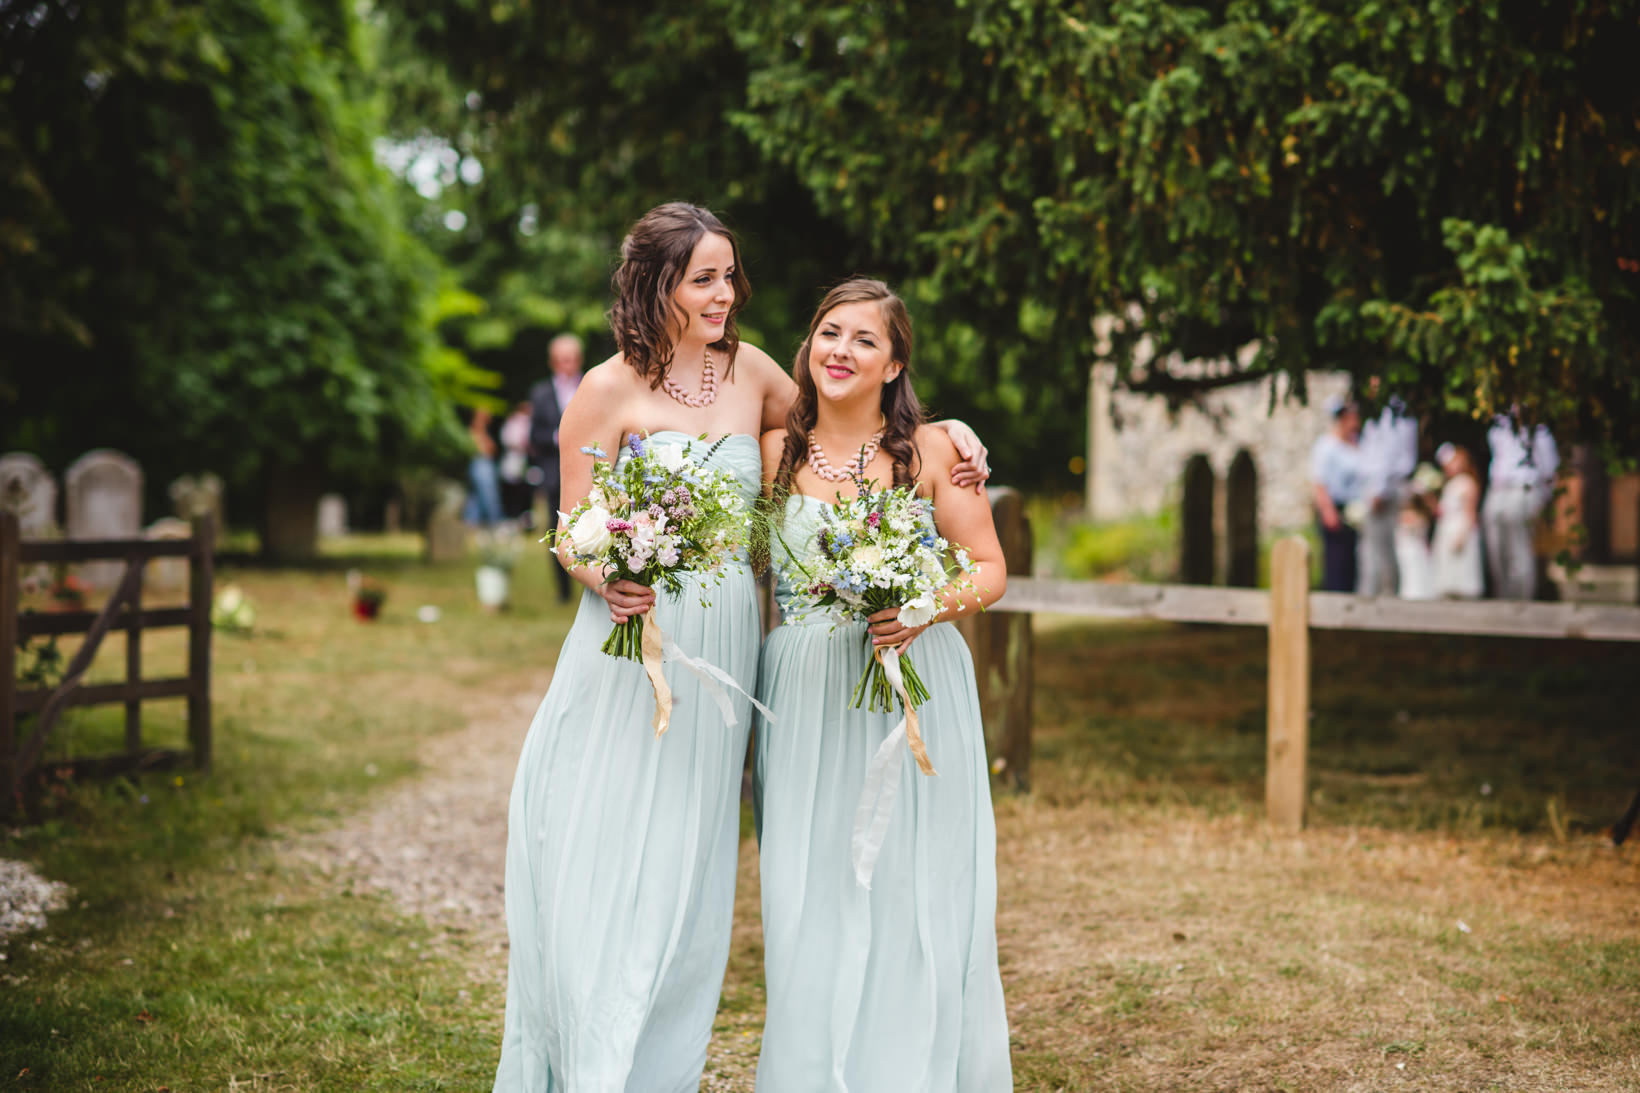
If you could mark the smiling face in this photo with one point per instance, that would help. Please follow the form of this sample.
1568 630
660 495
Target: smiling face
851 354
706 293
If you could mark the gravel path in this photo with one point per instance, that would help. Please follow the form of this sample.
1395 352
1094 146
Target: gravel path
436 846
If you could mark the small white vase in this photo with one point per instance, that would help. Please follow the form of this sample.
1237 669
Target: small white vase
492 586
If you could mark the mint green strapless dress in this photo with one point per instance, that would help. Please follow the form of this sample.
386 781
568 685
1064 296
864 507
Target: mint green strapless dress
621 849
893 989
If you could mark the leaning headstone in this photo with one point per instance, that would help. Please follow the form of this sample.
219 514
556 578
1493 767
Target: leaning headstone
446 534
1196 527
332 516
169 574
1241 521
104 490
28 489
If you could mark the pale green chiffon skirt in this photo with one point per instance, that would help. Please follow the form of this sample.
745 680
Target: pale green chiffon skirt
621 860
894 989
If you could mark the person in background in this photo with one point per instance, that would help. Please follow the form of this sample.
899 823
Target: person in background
1337 482
513 468
483 507
548 399
1457 549
1389 455
1521 482
1414 563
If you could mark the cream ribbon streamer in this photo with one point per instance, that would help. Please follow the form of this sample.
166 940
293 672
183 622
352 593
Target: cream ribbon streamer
882 782
659 648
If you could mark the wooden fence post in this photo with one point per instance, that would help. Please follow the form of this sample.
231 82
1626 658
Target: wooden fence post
10 573
201 559
133 660
1285 786
1001 645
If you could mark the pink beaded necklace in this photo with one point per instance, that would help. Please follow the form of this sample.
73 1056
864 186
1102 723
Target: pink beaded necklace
823 468
708 384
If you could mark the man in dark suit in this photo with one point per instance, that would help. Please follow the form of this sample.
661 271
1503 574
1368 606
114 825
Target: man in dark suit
547 402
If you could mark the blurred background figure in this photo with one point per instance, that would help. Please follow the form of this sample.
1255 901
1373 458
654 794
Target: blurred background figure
1457 549
565 356
1522 480
1337 482
517 494
483 507
1389 455
1414 563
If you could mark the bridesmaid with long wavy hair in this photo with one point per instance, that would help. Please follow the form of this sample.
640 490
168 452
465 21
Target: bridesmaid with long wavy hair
621 847
892 988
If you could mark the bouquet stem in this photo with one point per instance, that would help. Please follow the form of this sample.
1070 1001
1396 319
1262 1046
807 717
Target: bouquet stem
873 691
626 639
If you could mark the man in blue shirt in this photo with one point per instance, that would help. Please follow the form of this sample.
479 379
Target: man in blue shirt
1337 483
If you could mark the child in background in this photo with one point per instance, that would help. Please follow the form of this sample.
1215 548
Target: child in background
1412 554
1457 550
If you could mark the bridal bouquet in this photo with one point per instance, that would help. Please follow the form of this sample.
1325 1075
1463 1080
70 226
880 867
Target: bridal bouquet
877 551
651 519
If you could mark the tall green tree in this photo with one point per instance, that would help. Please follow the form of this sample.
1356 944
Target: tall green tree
1444 193
584 115
202 262
1439 192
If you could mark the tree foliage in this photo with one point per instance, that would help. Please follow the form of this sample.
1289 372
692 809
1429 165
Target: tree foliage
1441 192
200 261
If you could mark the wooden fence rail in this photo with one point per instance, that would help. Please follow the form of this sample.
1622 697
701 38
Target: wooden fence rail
19 755
1290 611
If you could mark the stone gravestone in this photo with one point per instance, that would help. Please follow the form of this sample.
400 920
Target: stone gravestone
197 495
104 502
1196 527
28 489
1241 521
169 574
446 534
332 516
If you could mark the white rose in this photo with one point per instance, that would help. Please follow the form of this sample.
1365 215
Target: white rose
669 456
867 557
920 611
590 535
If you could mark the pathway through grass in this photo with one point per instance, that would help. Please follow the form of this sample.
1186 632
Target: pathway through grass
280 925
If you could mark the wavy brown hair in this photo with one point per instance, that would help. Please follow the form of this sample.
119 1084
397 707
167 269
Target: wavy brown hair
654 257
902 413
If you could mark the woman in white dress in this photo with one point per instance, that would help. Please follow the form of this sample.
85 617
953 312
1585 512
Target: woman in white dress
1457 549
1412 555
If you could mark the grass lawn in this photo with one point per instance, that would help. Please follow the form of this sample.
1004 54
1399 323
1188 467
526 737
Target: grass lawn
194 957
1452 919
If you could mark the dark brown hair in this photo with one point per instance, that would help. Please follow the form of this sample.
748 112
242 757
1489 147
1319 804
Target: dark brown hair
654 257
902 413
